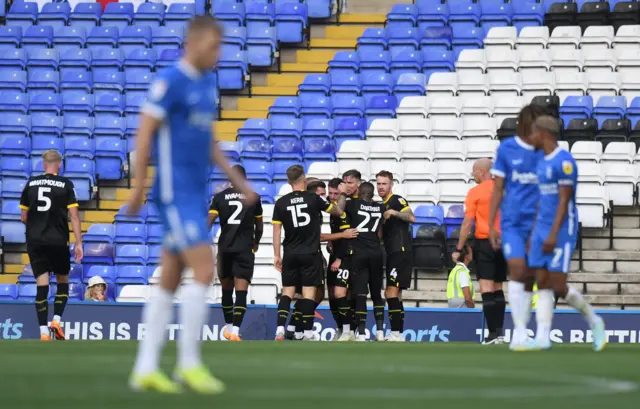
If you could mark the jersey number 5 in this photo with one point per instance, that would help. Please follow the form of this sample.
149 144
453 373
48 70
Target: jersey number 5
43 198
298 216
362 227
233 219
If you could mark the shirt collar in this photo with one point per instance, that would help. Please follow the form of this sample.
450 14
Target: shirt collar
189 70
553 154
462 264
388 198
523 144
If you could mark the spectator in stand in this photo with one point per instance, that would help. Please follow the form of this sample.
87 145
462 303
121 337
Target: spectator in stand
97 290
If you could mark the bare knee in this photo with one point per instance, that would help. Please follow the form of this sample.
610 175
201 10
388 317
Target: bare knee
391 292
486 286
288 292
62 279
240 284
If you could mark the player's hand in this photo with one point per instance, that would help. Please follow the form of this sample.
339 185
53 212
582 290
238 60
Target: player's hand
350 234
135 201
494 238
342 188
255 248
78 253
335 266
549 243
455 256
390 213
277 263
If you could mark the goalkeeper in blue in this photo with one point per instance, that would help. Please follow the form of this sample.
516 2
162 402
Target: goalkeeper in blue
176 127
554 236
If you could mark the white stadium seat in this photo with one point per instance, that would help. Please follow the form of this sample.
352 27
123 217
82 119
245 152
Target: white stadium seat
448 149
597 38
383 128
361 166
450 170
388 165
472 84
264 255
284 190
532 38
323 170
412 107
533 62
505 84
630 85
564 145
623 152
446 127
507 107
501 38
566 61
539 84
471 60
628 61
565 38
354 150
414 129
502 61
385 149
473 127
420 171
422 193
155 277
590 173
570 84
587 151
442 83
596 61
603 84
620 180
441 106
593 203
451 193
477 106
420 149
267 237
267 212
263 294
627 38
481 148
134 293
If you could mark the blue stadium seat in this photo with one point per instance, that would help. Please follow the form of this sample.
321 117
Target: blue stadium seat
349 130
27 275
576 107
101 253
166 38
55 15
100 233
234 40
111 155
10 37
109 126
130 233
132 275
78 126
70 38
315 128
14 59
103 38
229 14
373 40
287 149
22 14
122 215
43 58
377 85
266 190
43 81
495 13
347 106
345 84
404 37
441 61
15 125
261 46
155 233
133 38
110 105
256 149
134 102
132 254
426 214
467 37
13 80
231 149
167 58
12 188
232 70
258 170
76 291
82 174
42 143
14 102
255 128
465 15
402 16
75 61
137 83
381 107
15 146
260 16
179 14
76 81
37 168
27 292
10 209
130 131
319 8
286 127
79 146
315 85
108 82
14 231
319 149
118 15
609 107
280 166
315 107
77 103
36 37
85 15
345 62
432 13
405 62
526 14
48 103
410 85
108 273
374 62
149 14
46 125
291 22
633 111
8 292
107 61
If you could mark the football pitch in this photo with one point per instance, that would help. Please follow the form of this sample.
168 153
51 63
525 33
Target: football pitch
259 374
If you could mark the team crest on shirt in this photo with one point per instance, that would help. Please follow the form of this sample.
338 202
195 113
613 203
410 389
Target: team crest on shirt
402 202
157 90
567 167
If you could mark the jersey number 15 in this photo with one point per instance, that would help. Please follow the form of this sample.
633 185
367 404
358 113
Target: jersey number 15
298 216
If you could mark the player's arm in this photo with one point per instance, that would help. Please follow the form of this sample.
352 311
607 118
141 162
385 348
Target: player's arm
328 207
404 213
258 226
276 221
467 297
214 212
24 204
566 185
499 172
76 226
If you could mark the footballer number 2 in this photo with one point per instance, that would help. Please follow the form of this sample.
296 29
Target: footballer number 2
557 253
233 219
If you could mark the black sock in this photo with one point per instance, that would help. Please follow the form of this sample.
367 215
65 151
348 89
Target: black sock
395 313
501 302
239 308
227 306
489 308
62 295
307 308
354 322
378 313
283 310
42 304
401 315
361 313
342 304
335 311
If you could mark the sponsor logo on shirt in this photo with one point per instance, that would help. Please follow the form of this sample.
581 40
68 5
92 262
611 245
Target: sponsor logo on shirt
526 178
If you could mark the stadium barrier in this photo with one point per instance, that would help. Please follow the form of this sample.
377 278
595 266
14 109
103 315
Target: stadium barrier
117 321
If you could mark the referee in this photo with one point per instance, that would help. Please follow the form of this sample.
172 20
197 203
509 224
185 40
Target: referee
46 202
491 268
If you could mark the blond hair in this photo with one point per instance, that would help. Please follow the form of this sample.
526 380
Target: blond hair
51 156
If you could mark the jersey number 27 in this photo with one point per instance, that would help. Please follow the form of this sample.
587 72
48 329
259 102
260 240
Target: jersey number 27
362 227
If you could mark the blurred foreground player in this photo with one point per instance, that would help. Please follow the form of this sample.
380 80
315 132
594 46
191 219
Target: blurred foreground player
242 229
555 235
177 121
46 202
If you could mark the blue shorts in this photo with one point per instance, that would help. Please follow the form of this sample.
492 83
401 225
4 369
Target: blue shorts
514 242
185 226
559 260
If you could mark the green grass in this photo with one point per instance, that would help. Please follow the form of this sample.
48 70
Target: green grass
262 375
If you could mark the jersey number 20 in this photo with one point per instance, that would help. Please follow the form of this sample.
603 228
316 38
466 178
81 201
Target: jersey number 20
43 198
298 216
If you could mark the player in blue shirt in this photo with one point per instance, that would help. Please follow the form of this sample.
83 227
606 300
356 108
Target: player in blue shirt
516 194
177 121
555 234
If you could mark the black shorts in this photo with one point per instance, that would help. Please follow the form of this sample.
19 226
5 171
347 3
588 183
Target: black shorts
236 265
399 269
49 259
490 264
339 278
366 274
302 269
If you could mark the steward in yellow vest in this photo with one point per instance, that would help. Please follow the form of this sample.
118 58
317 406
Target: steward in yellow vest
460 292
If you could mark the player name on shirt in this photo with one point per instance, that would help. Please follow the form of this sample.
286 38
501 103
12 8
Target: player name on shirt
232 196
47 182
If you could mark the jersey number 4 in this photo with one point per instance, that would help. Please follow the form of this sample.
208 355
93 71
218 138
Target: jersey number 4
44 199
298 216
362 227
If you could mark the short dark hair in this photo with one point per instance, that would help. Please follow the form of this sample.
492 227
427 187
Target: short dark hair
205 22
527 117
365 191
240 170
352 173
466 249
385 174
313 186
335 183
295 173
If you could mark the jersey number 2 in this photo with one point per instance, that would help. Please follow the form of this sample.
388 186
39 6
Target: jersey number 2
299 217
233 219
43 198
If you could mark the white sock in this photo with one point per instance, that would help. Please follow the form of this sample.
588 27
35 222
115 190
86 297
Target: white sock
544 316
193 314
44 330
516 294
290 328
395 333
228 327
346 328
379 334
156 315
298 335
308 333
235 330
280 329
577 301
57 318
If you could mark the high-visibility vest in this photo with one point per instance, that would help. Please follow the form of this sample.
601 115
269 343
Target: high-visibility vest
454 291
